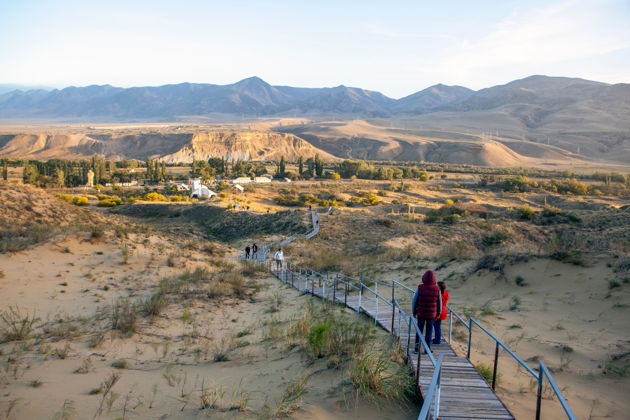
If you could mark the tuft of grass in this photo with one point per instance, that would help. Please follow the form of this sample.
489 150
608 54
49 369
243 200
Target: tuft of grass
378 379
35 383
124 317
515 326
154 304
86 366
67 411
516 302
291 400
119 364
613 284
520 281
17 326
488 310
613 369
486 372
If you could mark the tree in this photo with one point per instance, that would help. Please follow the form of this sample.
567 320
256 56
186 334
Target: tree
5 171
60 178
300 162
319 166
30 174
149 164
282 166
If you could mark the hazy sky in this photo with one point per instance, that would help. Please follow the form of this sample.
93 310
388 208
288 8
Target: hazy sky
396 47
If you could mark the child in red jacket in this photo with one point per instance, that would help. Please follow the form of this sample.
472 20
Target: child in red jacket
437 325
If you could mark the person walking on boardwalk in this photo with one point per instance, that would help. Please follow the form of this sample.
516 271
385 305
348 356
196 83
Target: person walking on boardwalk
254 252
427 306
247 252
279 257
437 326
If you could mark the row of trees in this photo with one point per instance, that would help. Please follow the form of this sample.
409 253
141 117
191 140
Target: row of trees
220 167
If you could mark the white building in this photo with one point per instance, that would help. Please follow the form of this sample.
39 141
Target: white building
241 180
262 179
201 191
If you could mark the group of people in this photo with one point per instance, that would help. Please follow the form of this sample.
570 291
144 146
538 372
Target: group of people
429 307
253 250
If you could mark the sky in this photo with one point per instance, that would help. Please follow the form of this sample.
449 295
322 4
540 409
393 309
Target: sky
395 47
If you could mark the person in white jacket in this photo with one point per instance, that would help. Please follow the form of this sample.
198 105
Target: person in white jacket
279 257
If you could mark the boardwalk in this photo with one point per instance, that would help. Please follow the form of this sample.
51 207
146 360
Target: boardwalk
464 394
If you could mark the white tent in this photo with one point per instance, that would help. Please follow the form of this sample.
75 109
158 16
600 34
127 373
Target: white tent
238 187
202 192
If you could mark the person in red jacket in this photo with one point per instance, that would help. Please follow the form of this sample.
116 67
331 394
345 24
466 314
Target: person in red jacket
437 325
427 306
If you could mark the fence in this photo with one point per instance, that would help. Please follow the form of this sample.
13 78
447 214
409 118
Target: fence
362 295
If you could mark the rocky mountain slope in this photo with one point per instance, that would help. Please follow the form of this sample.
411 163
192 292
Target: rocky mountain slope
167 146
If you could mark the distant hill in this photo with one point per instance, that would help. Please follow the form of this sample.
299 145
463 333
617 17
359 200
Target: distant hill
581 116
430 99
166 146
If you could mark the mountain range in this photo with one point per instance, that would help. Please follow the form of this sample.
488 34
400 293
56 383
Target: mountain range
580 116
248 97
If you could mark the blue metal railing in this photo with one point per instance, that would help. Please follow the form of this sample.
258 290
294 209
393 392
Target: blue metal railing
331 281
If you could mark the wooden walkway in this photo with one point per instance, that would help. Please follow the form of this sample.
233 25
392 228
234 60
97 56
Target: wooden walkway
464 394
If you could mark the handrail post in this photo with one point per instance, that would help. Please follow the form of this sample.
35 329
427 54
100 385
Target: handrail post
312 285
324 287
496 362
539 392
450 327
408 335
335 290
469 337
393 308
360 296
399 323
345 295
292 278
418 370
376 317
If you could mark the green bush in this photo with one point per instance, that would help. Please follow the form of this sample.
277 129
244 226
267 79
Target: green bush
525 212
493 240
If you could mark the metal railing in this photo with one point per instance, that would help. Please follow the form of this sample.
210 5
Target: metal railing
337 287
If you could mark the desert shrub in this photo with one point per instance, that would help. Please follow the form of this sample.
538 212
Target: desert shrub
177 198
17 325
97 232
613 369
65 197
153 196
154 304
449 202
107 201
525 212
493 240
326 334
119 364
80 201
377 378
370 199
573 256
613 284
451 219
124 316
520 281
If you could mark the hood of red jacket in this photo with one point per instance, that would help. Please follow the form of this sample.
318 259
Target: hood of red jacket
429 277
